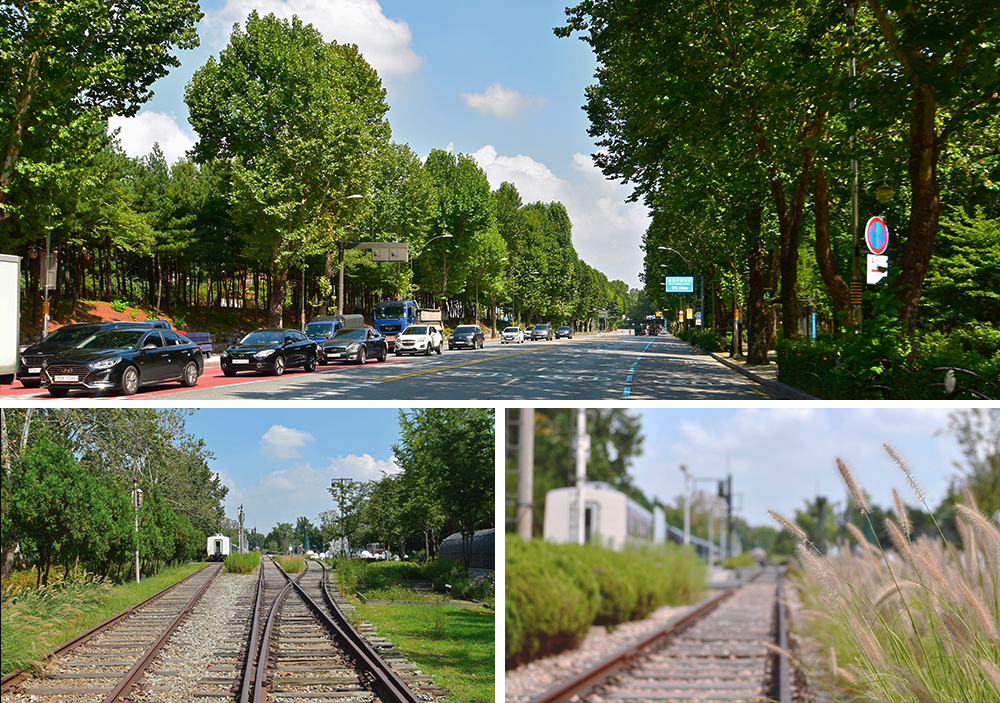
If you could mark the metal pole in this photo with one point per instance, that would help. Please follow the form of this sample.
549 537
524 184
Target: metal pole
135 505
340 280
582 450
687 505
525 473
856 251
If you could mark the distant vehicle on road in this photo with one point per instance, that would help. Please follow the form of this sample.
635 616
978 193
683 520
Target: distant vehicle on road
322 329
391 317
512 335
356 345
419 339
564 331
542 331
466 336
270 351
125 359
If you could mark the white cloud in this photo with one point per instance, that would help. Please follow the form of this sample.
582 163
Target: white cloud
607 231
385 43
280 442
301 489
500 102
137 135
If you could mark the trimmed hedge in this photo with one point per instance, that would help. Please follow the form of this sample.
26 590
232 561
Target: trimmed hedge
556 592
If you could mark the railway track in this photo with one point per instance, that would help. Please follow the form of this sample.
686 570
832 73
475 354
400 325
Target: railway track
106 662
718 653
307 650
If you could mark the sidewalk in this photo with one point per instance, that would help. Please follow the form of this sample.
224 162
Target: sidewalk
766 375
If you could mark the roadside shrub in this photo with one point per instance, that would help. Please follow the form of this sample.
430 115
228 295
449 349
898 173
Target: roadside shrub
554 593
242 563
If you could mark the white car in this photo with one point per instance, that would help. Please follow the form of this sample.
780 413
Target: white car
420 339
512 335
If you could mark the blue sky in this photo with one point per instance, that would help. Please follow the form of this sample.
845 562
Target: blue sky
278 462
780 457
487 79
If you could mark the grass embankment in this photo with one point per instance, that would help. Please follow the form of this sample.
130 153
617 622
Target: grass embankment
291 564
389 580
917 623
555 592
36 621
453 645
242 563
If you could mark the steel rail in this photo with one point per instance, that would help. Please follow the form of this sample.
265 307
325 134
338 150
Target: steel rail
253 640
390 686
259 691
784 684
124 688
590 679
16 676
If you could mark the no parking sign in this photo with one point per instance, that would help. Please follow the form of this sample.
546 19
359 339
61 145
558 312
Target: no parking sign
877 236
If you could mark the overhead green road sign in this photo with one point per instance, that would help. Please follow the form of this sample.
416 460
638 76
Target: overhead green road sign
679 284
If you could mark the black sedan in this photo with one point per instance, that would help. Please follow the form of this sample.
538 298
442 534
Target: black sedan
270 351
60 340
468 336
564 331
356 345
125 359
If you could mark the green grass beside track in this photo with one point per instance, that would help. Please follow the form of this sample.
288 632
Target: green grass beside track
36 621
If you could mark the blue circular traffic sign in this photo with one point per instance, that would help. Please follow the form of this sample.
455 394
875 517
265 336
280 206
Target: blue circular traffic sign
877 236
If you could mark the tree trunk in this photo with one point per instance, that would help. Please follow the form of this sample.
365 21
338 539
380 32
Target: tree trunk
773 273
925 205
756 311
276 300
840 291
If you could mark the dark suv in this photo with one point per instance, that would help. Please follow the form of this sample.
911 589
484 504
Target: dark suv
66 337
542 331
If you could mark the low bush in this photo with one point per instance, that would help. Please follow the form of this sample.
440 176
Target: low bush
445 576
242 563
554 593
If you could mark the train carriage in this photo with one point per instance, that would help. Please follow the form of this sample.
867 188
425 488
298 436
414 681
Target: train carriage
218 547
611 518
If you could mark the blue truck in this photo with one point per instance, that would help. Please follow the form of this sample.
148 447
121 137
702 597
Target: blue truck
393 316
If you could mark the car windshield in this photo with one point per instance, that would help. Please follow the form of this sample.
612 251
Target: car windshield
465 329
349 334
512 330
319 329
415 329
541 327
264 337
64 335
113 339
564 329
390 311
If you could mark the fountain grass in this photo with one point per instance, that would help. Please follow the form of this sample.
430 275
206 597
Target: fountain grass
919 622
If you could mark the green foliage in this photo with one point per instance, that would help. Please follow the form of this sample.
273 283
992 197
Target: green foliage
291 564
242 563
885 363
555 593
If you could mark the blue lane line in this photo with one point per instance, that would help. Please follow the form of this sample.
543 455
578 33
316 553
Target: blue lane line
629 379
628 391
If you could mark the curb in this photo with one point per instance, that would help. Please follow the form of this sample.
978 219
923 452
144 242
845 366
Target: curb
779 390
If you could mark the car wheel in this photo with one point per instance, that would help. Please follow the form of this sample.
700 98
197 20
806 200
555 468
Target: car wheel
399 353
428 350
383 356
440 347
57 392
130 380
279 366
229 372
362 356
190 376
310 365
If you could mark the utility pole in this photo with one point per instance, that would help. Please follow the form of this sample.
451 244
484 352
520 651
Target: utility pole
341 481
582 454
525 473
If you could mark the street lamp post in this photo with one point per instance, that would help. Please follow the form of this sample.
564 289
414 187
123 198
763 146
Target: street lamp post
340 261
687 505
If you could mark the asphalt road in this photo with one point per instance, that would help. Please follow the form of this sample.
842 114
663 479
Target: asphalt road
591 367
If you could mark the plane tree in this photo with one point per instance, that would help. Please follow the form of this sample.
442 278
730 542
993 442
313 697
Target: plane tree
301 123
